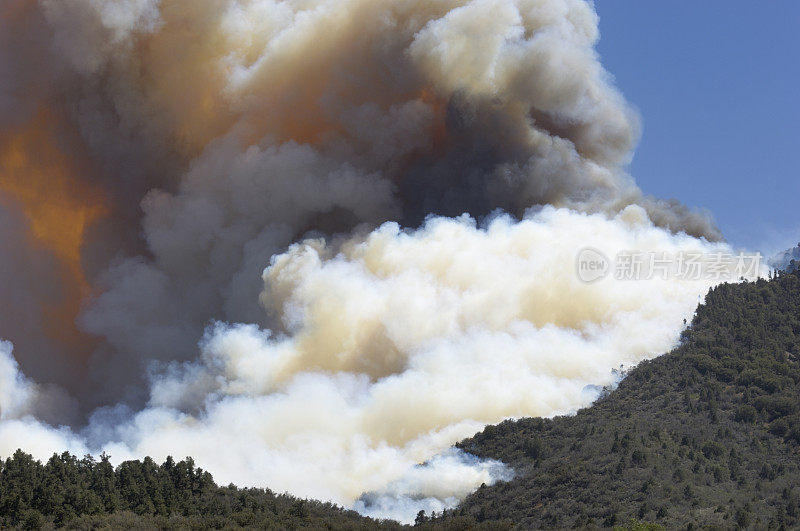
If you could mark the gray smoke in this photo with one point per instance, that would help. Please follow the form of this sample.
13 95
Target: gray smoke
157 155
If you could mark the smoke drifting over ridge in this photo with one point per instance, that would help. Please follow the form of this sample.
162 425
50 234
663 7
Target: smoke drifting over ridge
156 156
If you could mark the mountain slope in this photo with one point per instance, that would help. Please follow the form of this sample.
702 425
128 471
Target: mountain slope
705 435
787 260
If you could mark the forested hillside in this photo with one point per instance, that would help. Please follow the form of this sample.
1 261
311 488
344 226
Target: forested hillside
707 435
88 494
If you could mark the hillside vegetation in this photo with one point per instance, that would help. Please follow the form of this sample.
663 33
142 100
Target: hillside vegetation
88 494
705 436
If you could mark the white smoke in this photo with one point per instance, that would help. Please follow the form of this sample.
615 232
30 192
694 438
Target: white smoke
18 427
400 343
15 392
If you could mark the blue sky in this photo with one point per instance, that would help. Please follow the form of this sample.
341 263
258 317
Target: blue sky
716 84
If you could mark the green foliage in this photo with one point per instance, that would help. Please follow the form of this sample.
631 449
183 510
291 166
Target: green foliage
745 413
88 494
636 525
707 436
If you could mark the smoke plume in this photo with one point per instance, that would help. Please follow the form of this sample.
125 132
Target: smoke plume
314 243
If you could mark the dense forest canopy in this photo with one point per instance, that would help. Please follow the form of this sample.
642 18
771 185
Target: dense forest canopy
88 494
707 435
